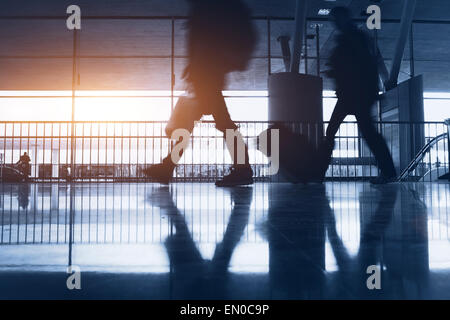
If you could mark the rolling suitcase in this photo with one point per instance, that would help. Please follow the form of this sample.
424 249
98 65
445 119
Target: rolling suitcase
301 161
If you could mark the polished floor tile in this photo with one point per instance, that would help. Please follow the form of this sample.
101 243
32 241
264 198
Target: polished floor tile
195 241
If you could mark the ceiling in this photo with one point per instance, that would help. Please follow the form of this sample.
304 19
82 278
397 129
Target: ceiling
121 54
426 9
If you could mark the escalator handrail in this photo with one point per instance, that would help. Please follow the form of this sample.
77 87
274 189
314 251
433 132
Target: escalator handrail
421 154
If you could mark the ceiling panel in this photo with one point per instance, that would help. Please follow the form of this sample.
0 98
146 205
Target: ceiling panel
135 39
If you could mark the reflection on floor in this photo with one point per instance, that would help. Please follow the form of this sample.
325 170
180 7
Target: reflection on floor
195 241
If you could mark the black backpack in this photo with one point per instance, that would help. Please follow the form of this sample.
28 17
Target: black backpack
220 35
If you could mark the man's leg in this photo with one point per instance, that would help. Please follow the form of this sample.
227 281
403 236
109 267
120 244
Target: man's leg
326 147
163 172
377 145
336 120
236 147
208 91
168 160
242 173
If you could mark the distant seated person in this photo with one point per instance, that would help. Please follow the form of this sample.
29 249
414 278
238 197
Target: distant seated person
24 164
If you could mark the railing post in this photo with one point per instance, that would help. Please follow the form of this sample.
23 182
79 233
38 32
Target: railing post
269 49
74 79
318 49
447 122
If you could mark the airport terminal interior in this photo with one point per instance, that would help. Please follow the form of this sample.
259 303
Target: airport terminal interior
87 89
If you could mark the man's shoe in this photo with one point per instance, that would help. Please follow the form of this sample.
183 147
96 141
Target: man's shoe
238 177
383 180
161 173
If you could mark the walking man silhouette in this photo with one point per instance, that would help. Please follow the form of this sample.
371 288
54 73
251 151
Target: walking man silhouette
354 69
221 39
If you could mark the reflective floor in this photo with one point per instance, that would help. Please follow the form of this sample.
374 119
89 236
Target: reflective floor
195 241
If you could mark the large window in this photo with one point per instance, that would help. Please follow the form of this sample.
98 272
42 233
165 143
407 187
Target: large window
156 105
117 105
437 106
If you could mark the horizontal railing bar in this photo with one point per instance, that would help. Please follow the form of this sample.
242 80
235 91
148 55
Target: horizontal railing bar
125 57
62 137
177 17
106 96
101 137
37 57
212 122
153 96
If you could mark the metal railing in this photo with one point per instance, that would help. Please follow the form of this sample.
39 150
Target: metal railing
121 151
